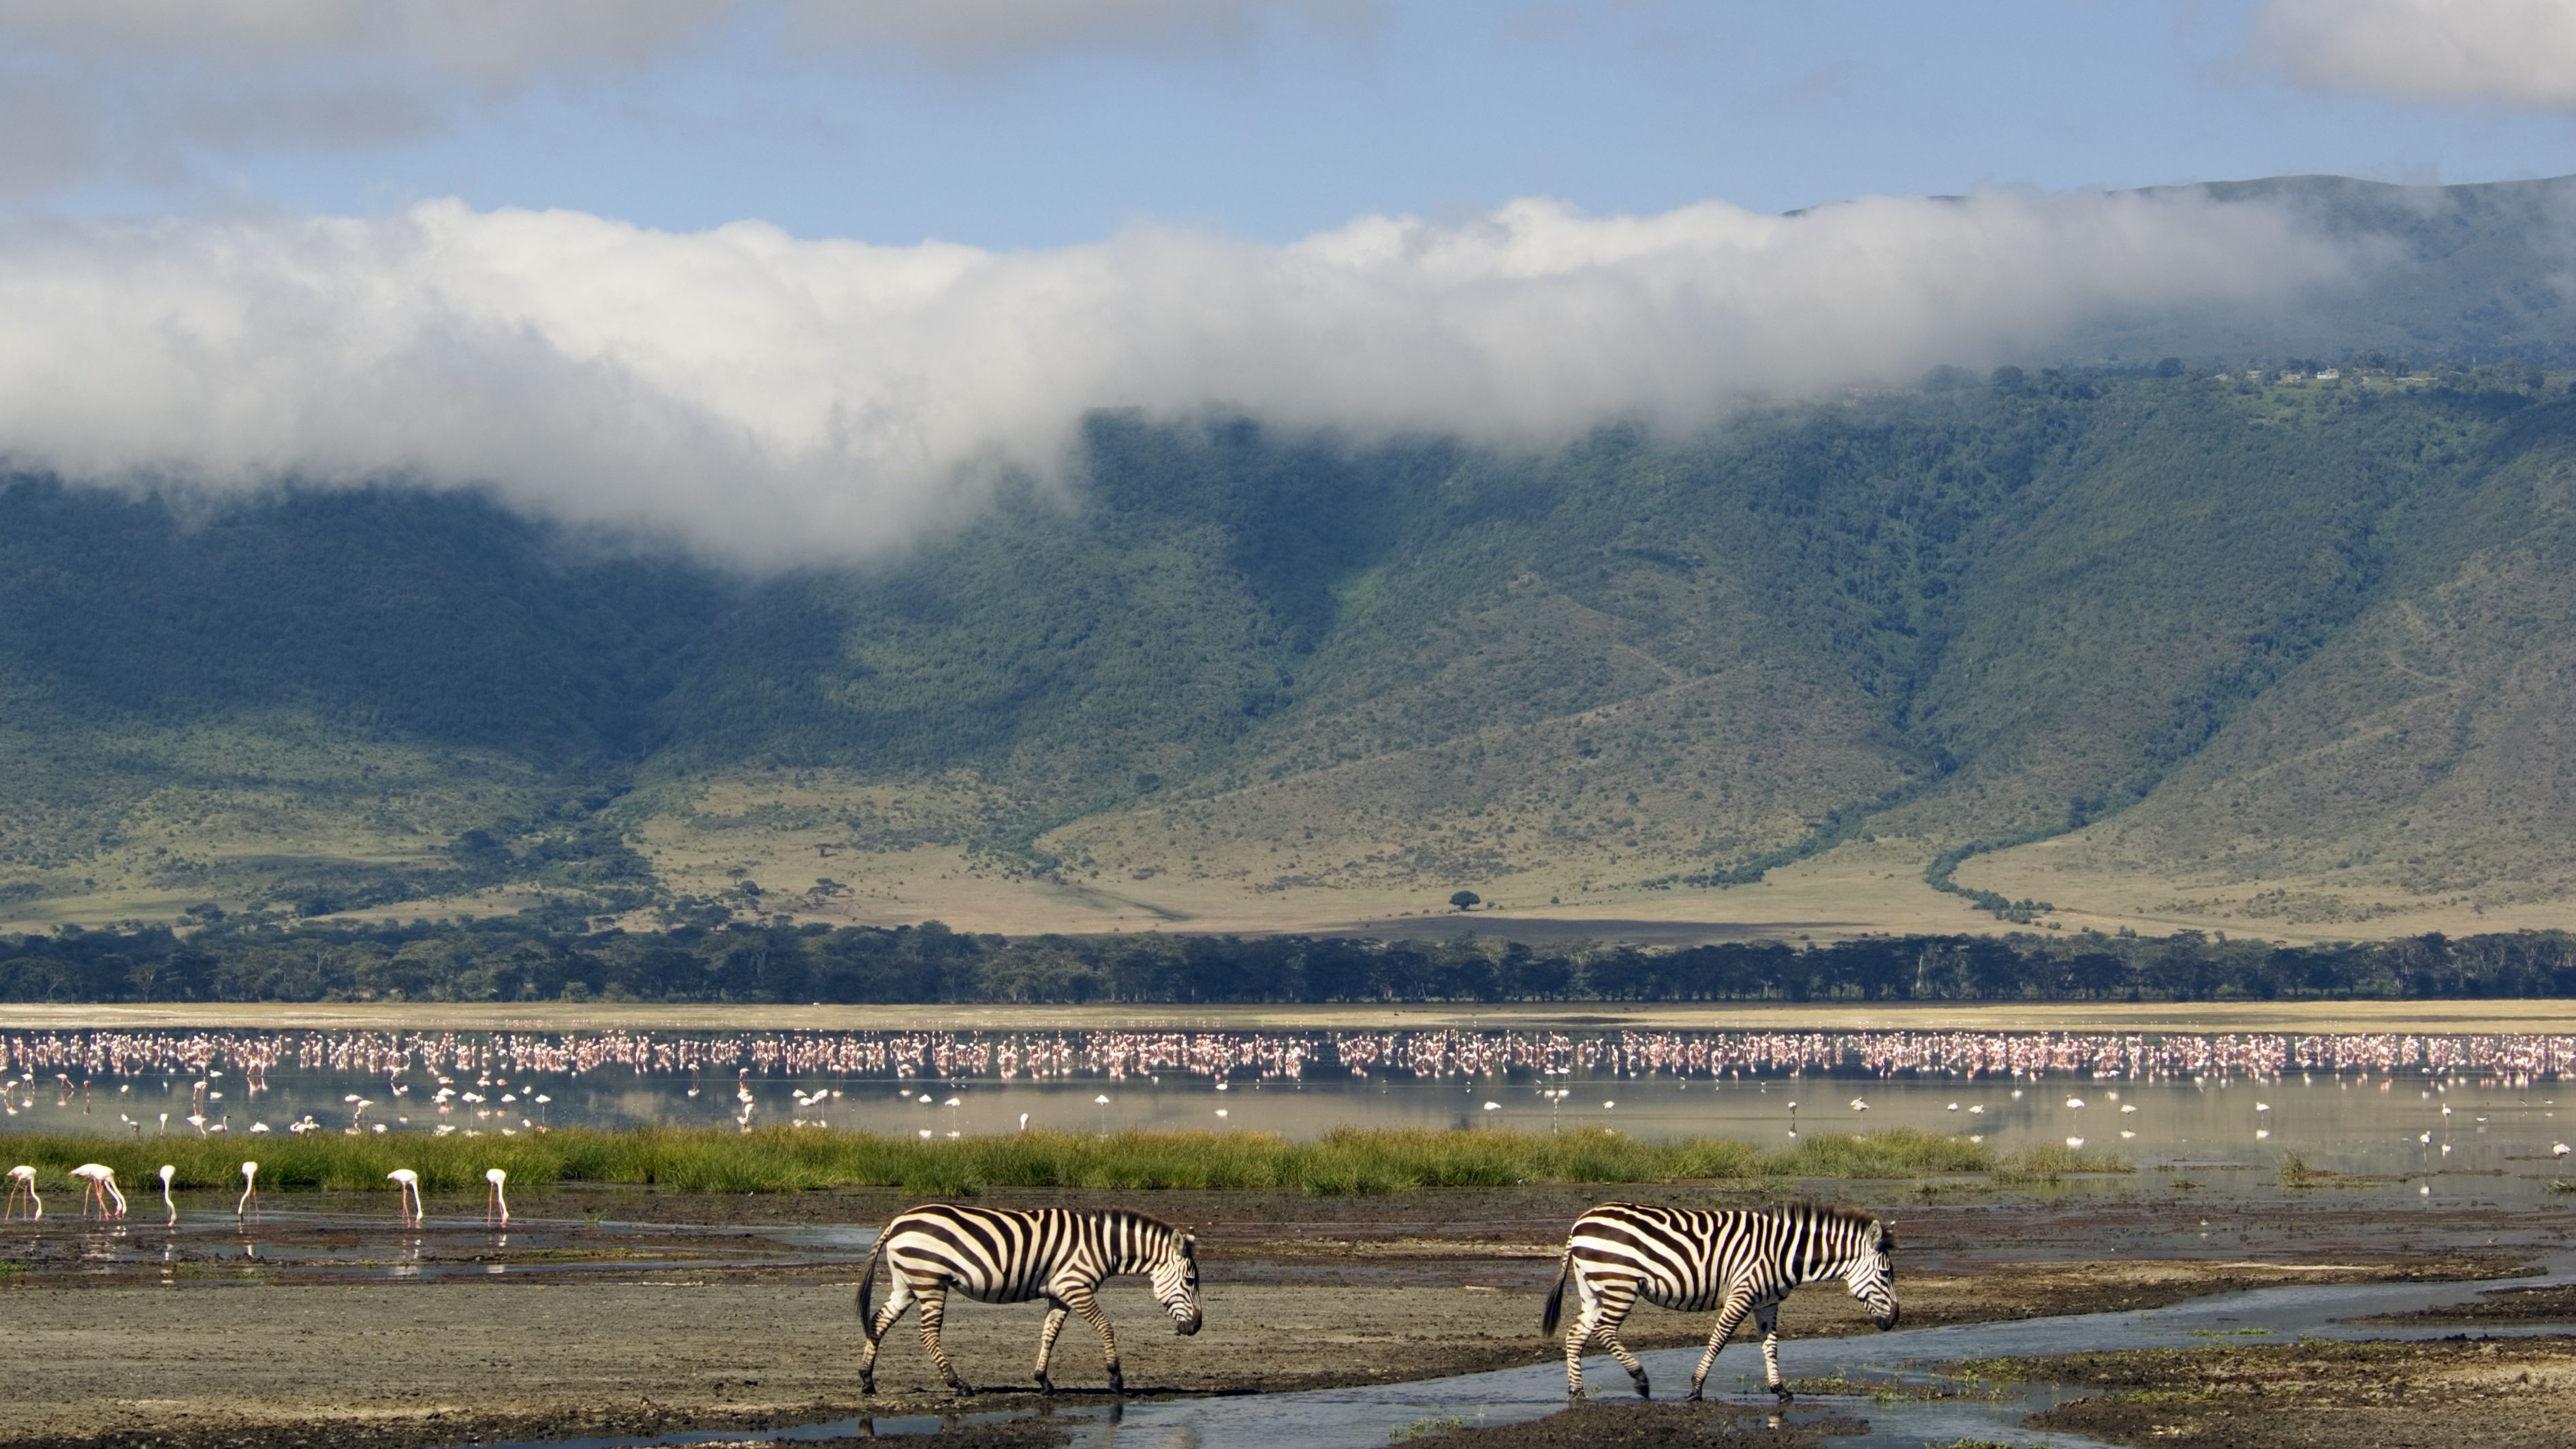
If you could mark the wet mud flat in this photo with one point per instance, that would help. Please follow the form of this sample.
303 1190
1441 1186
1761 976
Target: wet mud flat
636 1314
2496 1392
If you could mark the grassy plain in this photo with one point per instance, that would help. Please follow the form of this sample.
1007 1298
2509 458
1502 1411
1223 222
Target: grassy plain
790 834
794 834
782 1159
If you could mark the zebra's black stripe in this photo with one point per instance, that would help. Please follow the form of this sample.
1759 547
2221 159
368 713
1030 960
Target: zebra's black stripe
998 1255
1737 1263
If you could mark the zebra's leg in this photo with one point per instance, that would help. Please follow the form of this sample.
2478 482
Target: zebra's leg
1578 1333
1607 1308
1728 1316
875 1331
1078 1297
1767 1318
1056 1312
934 1305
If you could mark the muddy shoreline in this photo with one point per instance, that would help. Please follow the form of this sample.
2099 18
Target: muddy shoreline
631 1313
2499 1393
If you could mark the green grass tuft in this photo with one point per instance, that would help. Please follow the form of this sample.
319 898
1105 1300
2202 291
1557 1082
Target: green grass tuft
778 1159
2046 1164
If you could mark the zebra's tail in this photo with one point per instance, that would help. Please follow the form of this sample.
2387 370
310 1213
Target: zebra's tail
868 1289
1556 1293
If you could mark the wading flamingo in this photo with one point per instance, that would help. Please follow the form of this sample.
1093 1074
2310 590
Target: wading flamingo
408 1183
494 1200
102 1186
250 1188
23 1180
168 1172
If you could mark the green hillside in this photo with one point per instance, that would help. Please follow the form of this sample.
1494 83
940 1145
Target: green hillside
2153 645
2422 751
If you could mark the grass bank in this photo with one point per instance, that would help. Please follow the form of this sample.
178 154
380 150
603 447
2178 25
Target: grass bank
781 1159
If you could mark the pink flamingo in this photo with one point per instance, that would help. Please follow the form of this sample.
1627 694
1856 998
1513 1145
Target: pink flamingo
102 1186
494 1198
250 1188
23 1180
168 1172
407 1181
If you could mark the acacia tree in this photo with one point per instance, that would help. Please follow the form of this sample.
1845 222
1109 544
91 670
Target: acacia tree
1466 900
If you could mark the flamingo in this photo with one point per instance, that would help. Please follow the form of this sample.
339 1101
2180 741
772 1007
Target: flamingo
102 1186
250 1188
494 1198
23 1180
168 1172
407 1182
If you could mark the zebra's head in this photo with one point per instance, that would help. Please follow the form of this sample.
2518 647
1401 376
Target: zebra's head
1175 1276
1871 1274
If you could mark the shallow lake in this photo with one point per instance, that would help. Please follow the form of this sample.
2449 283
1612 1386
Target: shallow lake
2388 1104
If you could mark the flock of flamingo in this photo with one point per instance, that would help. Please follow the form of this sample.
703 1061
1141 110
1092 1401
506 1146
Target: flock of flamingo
31 1057
491 1078
99 1189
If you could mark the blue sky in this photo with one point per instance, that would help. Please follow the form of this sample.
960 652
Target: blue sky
1268 121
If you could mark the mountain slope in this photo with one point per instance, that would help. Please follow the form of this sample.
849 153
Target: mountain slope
2424 752
2178 646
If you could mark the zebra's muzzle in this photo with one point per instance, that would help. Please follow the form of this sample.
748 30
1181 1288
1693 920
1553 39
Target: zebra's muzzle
1887 1320
1186 1326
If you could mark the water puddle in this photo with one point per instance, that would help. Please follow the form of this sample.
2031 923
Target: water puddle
323 1245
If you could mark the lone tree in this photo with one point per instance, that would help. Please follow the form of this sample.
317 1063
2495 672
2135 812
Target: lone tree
1466 900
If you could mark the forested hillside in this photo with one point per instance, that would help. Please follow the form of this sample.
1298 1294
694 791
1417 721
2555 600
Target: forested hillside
2280 614
2150 642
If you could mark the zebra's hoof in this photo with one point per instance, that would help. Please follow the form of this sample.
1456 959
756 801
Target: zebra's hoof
1045 1385
1783 1391
961 1388
1642 1391
868 1387
1117 1383
1693 1396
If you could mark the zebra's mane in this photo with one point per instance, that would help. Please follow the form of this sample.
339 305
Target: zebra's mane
1180 1240
1837 1213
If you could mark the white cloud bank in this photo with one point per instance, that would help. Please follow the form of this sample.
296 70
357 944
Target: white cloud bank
2517 52
773 400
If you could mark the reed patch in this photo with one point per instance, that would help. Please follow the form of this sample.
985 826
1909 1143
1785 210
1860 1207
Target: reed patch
1351 1161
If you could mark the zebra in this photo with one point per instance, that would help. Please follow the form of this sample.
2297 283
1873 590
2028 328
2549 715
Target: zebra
1735 1262
996 1255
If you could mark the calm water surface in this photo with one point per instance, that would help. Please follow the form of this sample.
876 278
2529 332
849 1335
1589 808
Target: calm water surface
2389 1104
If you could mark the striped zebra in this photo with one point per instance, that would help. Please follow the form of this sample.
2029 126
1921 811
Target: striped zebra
999 1256
1734 1262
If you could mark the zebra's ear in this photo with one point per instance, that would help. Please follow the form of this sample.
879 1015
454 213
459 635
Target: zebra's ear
1189 1243
1886 1238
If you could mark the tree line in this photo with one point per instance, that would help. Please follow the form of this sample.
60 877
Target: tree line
520 959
